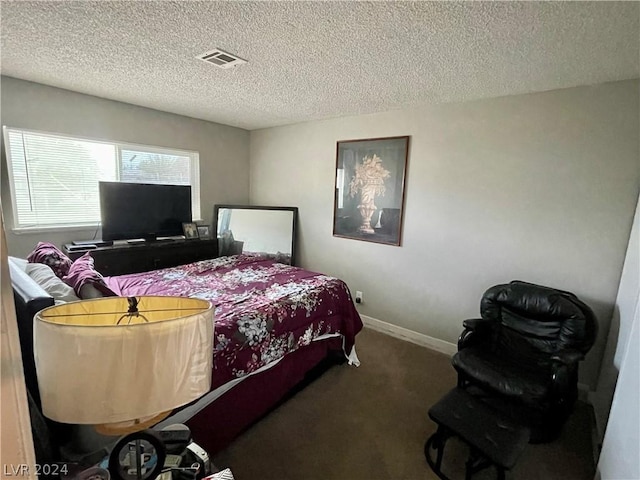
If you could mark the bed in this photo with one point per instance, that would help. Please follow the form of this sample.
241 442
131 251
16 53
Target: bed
276 326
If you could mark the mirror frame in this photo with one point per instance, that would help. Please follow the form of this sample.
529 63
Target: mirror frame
294 210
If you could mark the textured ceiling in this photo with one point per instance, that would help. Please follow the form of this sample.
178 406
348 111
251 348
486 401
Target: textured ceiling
313 60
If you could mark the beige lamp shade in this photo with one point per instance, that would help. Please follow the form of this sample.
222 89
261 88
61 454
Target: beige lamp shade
93 370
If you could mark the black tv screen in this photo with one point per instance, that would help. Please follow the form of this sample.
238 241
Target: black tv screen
142 210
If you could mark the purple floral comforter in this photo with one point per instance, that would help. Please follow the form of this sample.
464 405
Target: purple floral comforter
263 310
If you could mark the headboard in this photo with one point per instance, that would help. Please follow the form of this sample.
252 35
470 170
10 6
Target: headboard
270 231
29 299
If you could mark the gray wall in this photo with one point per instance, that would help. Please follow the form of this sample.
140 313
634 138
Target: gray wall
224 150
538 187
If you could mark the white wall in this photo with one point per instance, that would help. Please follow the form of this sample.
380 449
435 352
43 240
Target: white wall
538 187
619 332
224 150
620 455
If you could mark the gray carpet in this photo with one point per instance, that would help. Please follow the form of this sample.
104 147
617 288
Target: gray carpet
371 422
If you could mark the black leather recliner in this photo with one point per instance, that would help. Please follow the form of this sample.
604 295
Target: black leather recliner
523 353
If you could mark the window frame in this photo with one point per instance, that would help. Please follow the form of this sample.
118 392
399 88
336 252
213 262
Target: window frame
194 180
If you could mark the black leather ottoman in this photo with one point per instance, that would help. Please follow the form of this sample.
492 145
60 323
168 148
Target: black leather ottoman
493 439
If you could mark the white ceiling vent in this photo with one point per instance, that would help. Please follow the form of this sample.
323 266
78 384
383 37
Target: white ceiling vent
221 58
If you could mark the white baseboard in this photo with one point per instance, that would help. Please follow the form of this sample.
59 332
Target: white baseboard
597 428
434 343
409 335
594 401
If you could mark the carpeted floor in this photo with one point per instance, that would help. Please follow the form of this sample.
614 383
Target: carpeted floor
371 422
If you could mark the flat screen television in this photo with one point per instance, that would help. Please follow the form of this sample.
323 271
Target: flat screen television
143 210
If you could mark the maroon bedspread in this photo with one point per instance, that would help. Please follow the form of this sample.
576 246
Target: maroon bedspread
264 310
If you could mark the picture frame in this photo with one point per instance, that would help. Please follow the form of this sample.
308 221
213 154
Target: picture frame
203 232
190 230
369 195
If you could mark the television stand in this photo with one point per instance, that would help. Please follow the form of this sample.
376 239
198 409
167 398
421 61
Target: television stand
126 258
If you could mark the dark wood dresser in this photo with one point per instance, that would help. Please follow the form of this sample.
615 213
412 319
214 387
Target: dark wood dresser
126 258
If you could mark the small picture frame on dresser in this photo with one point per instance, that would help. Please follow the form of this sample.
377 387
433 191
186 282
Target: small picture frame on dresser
190 231
203 232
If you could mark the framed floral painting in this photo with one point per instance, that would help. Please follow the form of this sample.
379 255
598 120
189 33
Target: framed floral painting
369 190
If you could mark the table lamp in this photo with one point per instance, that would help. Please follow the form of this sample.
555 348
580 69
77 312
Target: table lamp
122 364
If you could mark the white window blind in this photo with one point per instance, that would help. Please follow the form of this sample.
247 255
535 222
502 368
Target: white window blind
54 178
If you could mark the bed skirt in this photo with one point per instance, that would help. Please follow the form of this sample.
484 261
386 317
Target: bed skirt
218 424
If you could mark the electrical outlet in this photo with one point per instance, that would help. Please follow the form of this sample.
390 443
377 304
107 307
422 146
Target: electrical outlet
359 298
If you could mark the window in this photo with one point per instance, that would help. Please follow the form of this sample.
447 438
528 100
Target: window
54 178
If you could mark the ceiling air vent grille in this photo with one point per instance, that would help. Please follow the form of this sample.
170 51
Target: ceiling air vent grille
221 58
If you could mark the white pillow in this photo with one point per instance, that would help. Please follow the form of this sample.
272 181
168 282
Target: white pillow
21 263
44 276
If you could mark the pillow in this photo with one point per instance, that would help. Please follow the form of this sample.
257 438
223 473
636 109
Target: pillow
49 254
21 263
44 276
82 273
